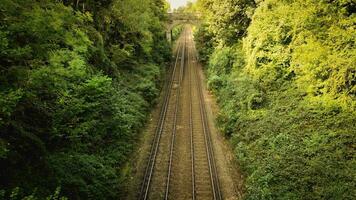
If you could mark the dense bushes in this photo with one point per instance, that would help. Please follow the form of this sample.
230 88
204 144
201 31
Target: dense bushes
77 81
287 96
176 31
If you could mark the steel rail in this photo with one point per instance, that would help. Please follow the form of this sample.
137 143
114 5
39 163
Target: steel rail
191 129
155 143
208 144
175 119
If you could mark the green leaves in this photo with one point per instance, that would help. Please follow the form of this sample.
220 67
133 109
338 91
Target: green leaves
77 81
286 94
227 19
8 102
308 42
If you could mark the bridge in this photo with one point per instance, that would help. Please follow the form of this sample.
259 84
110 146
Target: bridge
175 19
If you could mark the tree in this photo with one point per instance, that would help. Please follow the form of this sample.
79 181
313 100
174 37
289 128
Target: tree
68 117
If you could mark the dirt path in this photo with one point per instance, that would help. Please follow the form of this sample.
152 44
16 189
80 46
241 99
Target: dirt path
191 159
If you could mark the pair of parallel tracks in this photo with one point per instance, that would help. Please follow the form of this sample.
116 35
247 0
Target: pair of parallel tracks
174 82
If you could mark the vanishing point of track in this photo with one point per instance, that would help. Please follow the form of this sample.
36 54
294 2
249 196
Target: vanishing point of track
181 162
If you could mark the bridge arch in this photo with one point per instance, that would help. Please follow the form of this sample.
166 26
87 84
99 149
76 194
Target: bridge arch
176 19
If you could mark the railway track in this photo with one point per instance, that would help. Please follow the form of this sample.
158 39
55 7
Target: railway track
181 163
192 149
209 152
163 124
175 122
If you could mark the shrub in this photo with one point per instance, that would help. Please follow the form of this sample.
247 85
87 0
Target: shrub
286 97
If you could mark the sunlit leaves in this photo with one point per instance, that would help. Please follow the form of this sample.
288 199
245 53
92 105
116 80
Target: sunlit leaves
289 101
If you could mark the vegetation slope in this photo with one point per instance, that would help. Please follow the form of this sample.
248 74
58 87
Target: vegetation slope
284 74
77 79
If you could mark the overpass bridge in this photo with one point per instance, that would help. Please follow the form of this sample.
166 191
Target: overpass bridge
175 19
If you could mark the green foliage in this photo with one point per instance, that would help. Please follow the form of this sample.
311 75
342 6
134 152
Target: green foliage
227 19
17 194
286 94
77 81
176 31
204 42
147 85
85 176
304 45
